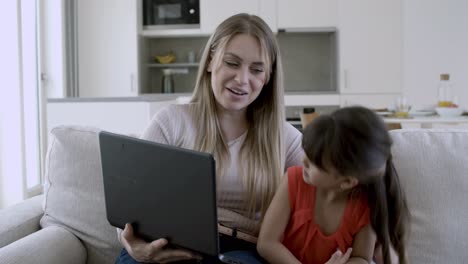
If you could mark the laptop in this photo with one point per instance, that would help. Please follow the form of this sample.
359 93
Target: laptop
163 191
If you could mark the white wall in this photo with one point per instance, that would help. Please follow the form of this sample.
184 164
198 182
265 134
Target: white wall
53 47
435 41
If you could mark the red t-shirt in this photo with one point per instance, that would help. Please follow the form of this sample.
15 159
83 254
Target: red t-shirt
303 237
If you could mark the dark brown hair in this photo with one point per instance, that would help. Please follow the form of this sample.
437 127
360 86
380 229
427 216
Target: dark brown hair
354 141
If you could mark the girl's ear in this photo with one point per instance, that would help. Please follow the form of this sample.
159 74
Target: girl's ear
348 183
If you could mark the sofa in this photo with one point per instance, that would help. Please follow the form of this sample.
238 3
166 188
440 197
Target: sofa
67 224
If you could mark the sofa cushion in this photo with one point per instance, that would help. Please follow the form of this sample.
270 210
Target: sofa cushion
433 168
74 194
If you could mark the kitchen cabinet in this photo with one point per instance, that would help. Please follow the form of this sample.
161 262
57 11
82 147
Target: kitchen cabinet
123 117
307 14
117 117
213 12
311 99
370 46
268 12
107 46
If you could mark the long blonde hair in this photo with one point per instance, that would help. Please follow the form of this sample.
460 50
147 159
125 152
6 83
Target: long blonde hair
262 153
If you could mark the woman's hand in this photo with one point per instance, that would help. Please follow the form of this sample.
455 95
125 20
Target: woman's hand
143 251
339 258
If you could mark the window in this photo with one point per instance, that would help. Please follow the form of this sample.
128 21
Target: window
21 103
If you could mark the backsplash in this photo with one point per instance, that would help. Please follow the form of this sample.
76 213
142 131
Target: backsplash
309 61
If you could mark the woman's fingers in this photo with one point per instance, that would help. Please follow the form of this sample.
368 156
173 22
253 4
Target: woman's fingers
143 251
129 240
346 256
138 248
336 256
158 244
128 235
340 258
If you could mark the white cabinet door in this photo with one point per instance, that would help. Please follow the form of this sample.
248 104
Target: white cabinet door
268 12
107 48
307 13
213 12
118 117
370 46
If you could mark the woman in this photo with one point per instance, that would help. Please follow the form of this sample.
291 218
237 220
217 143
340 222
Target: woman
236 113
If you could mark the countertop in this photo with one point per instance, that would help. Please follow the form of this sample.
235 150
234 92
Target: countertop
291 98
140 98
429 119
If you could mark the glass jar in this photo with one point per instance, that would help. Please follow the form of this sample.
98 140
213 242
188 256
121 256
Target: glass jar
445 91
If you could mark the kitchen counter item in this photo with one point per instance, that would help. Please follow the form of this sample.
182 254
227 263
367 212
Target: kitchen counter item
384 113
421 113
308 114
449 111
167 82
165 59
445 90
430 122
167 79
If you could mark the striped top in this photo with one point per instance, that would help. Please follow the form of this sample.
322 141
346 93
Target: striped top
175 125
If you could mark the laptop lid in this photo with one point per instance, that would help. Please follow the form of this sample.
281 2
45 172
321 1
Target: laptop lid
164 191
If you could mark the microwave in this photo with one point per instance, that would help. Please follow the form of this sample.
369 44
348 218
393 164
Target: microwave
166 14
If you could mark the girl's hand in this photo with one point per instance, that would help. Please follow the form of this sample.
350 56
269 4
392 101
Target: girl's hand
339 258
142 251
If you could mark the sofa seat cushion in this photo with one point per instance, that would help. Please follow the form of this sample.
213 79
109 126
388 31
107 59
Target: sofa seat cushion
433 169
74 192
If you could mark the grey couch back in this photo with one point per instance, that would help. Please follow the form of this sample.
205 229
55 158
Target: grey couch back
432 164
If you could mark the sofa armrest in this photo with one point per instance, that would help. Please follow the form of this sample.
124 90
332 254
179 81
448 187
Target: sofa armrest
20 220
51 245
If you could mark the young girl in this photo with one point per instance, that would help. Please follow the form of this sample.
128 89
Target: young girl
346 196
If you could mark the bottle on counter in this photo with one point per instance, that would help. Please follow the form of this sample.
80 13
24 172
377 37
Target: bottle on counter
445 91
167 81
308 114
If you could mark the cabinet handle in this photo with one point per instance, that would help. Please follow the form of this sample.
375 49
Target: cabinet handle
132 88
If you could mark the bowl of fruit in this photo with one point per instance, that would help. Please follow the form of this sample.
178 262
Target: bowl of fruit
451 110
166 59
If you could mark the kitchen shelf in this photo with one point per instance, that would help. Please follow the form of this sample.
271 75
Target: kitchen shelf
172 65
